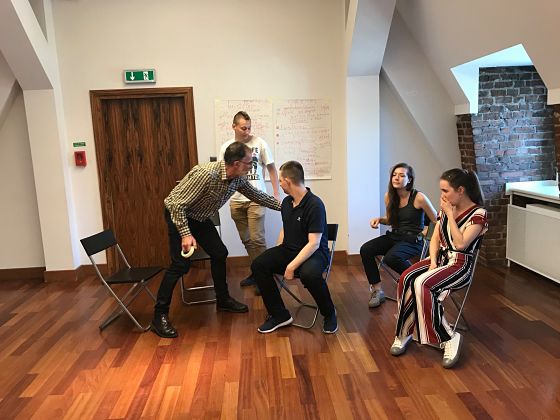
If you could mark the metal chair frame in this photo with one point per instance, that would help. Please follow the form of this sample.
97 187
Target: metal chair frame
200 255
423 254
331 237
137 276
461 315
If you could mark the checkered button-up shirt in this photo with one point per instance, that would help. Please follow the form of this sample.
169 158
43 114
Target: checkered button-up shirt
205 189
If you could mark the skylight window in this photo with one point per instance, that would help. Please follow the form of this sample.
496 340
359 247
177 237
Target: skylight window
467 73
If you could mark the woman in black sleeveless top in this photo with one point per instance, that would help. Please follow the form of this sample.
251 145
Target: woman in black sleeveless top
405 210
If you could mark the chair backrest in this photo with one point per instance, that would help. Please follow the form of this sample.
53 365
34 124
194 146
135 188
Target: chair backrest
98 242
430 231
475 253
332 231
332 234
427 239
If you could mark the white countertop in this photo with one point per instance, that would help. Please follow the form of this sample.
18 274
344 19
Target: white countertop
547 190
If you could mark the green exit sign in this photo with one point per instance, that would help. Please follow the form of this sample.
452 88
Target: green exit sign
140 76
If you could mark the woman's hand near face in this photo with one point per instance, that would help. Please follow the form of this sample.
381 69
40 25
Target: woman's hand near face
374 223
447 207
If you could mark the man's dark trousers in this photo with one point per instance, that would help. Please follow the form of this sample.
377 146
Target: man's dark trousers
206 236
396 255
274 261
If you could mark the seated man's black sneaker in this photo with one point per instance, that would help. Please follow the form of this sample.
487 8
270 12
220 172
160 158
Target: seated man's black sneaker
229 304
162 326
330 325
249 281
272 324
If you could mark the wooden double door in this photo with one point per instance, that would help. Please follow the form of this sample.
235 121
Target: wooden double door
145 141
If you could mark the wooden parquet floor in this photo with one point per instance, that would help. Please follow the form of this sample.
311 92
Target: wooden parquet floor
55 364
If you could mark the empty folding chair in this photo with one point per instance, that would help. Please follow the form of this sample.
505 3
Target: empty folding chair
332 234
137 277
423 254
199 255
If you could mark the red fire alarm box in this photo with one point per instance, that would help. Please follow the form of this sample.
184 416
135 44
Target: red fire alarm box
80 158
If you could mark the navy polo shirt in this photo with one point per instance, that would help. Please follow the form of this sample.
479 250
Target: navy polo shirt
309 216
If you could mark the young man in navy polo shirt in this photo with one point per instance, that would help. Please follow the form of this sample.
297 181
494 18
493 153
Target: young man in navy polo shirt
301 251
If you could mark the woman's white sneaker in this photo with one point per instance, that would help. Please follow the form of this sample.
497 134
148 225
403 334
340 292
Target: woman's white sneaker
452 351
399 345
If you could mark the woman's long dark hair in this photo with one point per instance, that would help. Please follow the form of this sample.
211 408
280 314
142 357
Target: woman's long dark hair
468 180
394 199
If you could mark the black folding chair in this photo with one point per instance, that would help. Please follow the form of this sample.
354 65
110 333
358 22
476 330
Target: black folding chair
138 277
381 265
199 255
332 234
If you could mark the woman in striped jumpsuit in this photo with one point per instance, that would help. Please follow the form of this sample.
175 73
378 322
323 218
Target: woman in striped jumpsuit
422 287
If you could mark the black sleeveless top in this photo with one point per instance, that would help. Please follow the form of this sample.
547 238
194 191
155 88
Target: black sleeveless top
410 220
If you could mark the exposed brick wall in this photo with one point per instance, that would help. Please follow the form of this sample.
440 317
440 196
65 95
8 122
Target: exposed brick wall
557 134
513 140
466 146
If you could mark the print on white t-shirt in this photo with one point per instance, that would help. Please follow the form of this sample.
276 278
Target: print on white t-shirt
261 156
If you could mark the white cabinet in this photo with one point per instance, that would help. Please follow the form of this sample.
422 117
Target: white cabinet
533 237
516 234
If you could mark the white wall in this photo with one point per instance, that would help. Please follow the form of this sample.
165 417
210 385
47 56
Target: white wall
25 47
422 94
8 88
21 244
363 158
33 62
45 124
372 21
417 115
402 141
224 49
455 32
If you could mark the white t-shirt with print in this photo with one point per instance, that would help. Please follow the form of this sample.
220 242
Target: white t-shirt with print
262 156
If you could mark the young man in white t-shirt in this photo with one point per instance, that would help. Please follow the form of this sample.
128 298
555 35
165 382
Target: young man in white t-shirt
247 215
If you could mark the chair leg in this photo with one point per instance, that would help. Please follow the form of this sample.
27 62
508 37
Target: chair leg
301 303
460 316
460 309
123 306
185 290
382 266
150 293
312 323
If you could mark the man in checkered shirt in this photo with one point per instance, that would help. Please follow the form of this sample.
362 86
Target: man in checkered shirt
188 208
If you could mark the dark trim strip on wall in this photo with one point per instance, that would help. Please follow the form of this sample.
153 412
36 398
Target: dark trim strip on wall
83 271
353 259
87 270
60 275
29 273
39 273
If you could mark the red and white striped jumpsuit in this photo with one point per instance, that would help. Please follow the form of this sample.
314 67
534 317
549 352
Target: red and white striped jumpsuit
421 292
